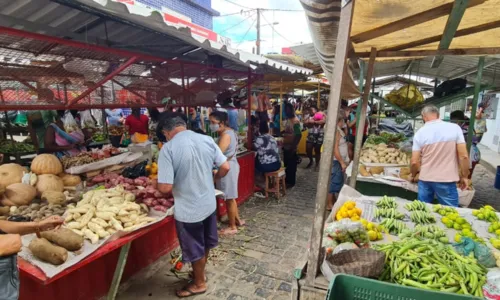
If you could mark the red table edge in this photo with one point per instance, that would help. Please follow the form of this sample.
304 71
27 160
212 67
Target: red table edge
37 274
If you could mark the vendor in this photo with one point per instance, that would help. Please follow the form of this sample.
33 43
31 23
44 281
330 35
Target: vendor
10 245
60 142
439 150
137 122
228 144
292 135
38 122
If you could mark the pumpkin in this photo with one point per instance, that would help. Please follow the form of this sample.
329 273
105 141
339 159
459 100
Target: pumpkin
70 180
11 173
49 182
54 197
46 164
19 194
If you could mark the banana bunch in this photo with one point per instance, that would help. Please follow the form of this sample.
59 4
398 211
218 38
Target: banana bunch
422 217
390 213
387 202
394 226
417 205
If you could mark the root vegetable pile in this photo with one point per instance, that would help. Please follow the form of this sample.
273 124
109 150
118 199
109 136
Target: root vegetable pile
38 211
382 154
431 265
101 213
140 187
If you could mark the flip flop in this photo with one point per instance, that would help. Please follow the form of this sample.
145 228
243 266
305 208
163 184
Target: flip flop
259 195
242 223
228 231
190 292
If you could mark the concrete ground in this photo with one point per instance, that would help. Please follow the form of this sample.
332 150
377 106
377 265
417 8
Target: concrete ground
258 263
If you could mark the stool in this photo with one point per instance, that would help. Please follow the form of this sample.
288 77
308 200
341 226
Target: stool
278 178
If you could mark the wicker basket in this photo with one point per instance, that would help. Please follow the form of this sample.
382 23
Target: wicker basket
360 262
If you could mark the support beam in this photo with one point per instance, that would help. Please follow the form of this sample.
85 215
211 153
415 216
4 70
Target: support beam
454 19
360 130
340 64
473 70
477 90
409 66
361 84
407 22
437 38
420 53
104 80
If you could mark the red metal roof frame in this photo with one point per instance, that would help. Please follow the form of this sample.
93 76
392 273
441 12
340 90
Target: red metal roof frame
45 72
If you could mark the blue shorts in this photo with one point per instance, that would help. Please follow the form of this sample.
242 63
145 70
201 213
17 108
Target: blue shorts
446 192
337 178
197 238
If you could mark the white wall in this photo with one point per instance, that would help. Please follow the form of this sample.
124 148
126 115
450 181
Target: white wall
493 133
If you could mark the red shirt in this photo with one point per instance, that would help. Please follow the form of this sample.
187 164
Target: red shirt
137 125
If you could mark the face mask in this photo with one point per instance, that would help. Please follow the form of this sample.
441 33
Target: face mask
214 127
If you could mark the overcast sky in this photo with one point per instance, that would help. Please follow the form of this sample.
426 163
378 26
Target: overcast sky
292 25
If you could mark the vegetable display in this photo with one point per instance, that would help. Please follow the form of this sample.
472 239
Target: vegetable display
45 251
18 194
426 231
394 226
349 210
13 147
417 205
390 213
49 182
11 173
374 231
46 164
103 212
486 213
65 238
422 217
77 160
38 211
387 202
431 265
382 154
99 137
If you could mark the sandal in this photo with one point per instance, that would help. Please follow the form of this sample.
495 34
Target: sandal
228 231
259 195
242 223
189 291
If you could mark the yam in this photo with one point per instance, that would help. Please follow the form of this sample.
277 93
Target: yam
376 170
65 238
45 251
363 171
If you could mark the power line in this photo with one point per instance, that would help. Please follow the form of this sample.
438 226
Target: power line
243 39
236 24
272 27
235 13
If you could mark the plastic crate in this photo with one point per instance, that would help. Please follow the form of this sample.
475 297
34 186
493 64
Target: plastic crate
347 287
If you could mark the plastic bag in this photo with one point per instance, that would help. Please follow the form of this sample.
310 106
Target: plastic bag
87 119
69 123
347 231
481 252
136 171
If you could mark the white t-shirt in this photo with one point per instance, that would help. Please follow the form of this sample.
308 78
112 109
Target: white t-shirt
437 142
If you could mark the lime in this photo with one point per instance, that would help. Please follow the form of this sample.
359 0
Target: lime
458 238
457 226
460 221
480 216
445 220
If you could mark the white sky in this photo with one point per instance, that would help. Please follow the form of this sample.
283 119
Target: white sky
292 25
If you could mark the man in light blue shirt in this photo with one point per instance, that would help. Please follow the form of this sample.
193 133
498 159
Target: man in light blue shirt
185 166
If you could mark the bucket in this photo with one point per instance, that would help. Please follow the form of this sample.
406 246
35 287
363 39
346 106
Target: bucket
497 179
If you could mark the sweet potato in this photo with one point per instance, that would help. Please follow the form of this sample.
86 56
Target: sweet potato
363 171
45 251
65 238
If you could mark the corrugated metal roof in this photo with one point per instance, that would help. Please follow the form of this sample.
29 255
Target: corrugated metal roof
117 25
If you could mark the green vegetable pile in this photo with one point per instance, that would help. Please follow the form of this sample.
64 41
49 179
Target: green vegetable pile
431 265
386 138
99 137
422 217
387 202
417 205
13 147
390 213
432 232
394 226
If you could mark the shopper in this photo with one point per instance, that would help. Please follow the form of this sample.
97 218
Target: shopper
115 116
315 135
438 151
185 166
480 123
292 135
340 161
268 158
458 117
228 144
10 245
137 122
195 120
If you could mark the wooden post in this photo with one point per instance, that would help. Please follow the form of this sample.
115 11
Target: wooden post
360 130
339 67
361 84
319 94
477 89
281 102
120 266
249 111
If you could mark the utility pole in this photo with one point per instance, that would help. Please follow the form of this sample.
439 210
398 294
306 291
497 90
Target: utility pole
258 31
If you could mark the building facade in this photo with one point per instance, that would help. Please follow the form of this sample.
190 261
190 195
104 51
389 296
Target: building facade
198 12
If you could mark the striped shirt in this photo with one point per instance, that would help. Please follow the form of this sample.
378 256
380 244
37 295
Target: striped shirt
437 142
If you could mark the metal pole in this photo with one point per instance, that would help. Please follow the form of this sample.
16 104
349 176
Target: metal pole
362 119
339 67
249 111
361 84
281 102
319 93
258 31
477 89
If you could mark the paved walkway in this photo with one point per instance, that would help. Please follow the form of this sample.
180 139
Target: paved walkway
258 262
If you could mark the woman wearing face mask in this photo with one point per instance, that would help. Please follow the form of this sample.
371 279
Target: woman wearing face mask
228 143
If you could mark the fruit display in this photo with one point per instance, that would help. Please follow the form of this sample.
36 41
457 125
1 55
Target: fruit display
99 137
443 210
417 206
390 213
347 231
382 154
455 221
374 231
115 130
431 265
152 170
497 257
406 97
494 228
349 211
422 217
433 232
387 202
486 213
467 232
394 226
